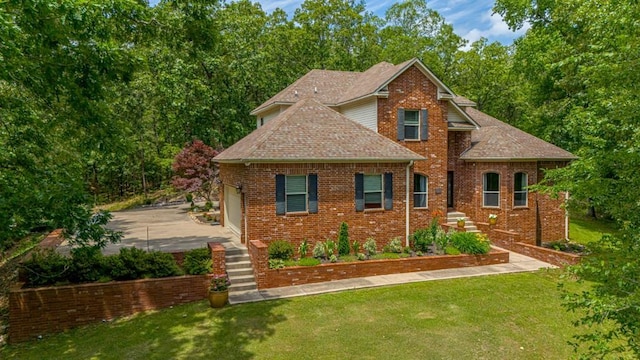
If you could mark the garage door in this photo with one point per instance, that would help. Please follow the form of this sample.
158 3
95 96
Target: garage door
232 209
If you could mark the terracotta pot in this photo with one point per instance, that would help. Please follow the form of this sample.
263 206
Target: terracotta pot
218 299
493 221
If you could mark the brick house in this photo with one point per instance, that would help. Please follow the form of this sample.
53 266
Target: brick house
383 150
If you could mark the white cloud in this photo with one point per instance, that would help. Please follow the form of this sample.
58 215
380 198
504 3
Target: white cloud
494 29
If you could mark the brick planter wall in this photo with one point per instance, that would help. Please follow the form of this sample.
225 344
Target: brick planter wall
298 275
40 311
512 241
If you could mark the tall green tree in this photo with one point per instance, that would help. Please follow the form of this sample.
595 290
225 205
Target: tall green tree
415 30
580 57
58 60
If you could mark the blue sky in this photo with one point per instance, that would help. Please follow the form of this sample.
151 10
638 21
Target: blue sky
471 19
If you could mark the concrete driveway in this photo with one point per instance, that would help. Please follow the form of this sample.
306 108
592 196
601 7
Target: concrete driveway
167 228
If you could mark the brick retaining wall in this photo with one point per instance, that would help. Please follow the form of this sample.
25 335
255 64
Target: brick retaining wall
298 275
40 311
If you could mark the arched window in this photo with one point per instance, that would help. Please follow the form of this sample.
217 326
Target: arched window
420 188
520 191
491 190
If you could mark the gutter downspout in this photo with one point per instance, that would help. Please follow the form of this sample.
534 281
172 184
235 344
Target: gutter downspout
244 216
408 182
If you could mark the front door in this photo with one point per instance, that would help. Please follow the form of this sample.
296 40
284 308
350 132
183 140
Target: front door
450 189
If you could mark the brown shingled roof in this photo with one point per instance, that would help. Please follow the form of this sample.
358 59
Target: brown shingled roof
311 132
498 141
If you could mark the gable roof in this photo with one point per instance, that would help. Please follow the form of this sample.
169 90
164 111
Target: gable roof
495 140
311 132
334 88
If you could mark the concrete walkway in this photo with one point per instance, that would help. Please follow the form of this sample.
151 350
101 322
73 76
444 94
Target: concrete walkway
517 263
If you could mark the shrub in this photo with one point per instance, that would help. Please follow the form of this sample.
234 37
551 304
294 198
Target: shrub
469 243
355 245
419 253
319 250
308 262
331 247
442 239
422 239
451 250
86 265
407 250
160 264
303 248
333 258
129 264
370 246
46 267
394 246
197 262
280 249
343 239
276 264
361 256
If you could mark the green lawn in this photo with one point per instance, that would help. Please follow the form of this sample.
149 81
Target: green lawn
584 230
514 316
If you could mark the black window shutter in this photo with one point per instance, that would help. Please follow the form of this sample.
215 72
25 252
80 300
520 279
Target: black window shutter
424 128
388 191
359 192
313 193
281 207
400 124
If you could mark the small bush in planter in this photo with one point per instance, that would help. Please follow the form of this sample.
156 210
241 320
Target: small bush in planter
319 250
303 248
355 246
451 250
469 243
86 265
333 258
46 267
308 262
331 247
197 262
394 246
276 264
422 239
370 247
280 249
160 264
343 239
129 264
361 256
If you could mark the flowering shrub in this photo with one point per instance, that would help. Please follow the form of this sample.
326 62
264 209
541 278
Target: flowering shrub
219 283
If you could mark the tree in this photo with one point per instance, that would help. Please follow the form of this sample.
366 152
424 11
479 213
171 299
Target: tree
580 58
415 30
195 171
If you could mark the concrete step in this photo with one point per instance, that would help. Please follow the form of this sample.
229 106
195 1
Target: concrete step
242 287
236 258
240 271
241 279
236 251
245 264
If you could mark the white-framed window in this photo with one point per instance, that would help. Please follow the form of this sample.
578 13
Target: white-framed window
491 190
373 191
420 188
520 192
412 124
296 193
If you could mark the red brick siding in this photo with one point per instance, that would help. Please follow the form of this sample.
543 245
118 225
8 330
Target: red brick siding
336 203
412 90
328 272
